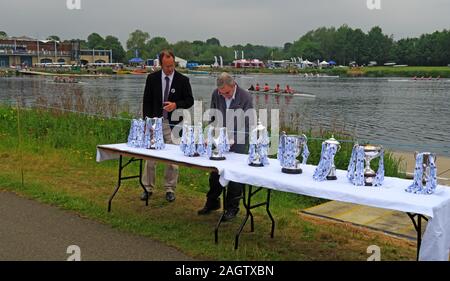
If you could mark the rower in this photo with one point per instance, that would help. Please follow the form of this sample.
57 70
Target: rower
288 90
266 87
277 88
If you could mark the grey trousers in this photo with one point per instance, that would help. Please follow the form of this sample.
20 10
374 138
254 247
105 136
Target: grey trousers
170 173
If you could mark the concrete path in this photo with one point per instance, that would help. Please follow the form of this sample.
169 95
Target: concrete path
442 163
387 221
33 231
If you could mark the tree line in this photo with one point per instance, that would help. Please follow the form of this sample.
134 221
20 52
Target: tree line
343 45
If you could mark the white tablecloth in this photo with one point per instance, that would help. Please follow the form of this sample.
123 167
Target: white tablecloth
436 240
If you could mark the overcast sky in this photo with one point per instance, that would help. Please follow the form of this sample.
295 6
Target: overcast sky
266 22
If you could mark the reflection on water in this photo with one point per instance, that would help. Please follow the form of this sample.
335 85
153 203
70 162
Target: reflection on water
401 114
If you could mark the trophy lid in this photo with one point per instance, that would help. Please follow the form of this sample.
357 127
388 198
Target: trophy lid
260 126
332 140
426 156
372 147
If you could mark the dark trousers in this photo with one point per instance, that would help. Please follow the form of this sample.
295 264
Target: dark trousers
234 189
234 192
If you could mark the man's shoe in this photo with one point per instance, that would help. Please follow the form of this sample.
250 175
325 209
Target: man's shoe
230 214
208 208
146 195
170 196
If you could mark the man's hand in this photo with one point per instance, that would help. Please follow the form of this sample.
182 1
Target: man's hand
169 106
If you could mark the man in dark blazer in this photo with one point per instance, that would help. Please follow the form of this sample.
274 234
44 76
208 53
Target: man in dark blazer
165 91
228 99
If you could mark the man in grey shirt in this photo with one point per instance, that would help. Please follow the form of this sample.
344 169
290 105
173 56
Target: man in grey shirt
232 103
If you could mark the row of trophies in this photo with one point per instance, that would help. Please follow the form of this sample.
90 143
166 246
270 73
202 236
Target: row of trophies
148 134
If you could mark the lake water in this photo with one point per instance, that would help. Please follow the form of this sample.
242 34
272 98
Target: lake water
399 113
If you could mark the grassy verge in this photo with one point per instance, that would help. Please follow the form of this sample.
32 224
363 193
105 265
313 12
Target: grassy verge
376 71
57 157
407 71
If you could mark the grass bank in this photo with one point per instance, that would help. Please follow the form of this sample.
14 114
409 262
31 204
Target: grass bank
57 158
375 71
407 71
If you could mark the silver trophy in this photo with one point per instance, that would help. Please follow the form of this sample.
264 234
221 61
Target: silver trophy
289 149
218 145
192 140
370 152
153 137
425 174
426 165
328 143
259 146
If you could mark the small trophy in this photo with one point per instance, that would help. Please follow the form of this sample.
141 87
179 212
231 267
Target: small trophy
259 147
425 180
370 152
326 168
289 149
153 137
217 146
359 174
192 141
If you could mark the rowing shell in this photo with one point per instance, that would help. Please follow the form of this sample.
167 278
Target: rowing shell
303 95
418 80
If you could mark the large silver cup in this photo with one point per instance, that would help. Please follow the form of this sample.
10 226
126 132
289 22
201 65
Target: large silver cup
151 127
290 148
370 152
332 141
426 165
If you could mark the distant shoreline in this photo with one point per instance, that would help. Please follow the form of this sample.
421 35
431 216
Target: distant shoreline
419 72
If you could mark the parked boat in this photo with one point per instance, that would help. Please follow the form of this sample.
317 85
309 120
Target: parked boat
199 72
139 71
313 76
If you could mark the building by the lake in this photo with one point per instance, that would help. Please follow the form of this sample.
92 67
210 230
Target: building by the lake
25 51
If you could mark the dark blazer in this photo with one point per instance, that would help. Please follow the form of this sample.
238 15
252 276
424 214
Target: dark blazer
180 92
242 100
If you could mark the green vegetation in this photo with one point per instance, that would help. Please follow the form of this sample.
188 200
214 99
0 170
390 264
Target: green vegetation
385 71
57 157
343 45
410 71
6 73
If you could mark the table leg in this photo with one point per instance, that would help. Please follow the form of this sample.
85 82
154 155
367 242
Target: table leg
270 214
120 178
141 183
248 207
216 230
418 227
